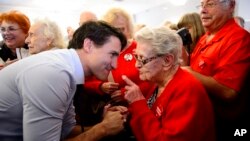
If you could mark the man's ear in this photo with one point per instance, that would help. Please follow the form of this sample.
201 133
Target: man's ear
87 44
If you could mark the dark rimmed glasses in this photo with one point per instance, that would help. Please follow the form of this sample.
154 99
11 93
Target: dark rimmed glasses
146 60
210 4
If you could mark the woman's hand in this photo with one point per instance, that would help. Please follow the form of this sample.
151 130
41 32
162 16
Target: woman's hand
109 87
132 91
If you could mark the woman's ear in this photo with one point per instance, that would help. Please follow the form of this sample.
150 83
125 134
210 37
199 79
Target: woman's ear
168 60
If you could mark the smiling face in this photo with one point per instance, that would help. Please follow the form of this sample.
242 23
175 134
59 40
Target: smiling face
13 35
36 40
101 60
214 13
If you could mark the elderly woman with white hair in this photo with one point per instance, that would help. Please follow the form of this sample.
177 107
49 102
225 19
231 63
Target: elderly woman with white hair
178 107
44 35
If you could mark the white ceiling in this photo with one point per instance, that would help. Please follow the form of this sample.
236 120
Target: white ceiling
150 12
72 8
134 6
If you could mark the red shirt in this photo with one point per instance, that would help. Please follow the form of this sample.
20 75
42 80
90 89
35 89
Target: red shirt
226 57
182 112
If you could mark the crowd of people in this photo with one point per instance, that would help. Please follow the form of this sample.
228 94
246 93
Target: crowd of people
115 80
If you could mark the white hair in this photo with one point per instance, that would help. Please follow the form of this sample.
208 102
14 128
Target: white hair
52 31
162 40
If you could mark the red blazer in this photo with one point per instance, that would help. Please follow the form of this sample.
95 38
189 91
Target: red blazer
182 112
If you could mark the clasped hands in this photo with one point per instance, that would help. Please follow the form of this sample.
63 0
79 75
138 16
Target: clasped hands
114 118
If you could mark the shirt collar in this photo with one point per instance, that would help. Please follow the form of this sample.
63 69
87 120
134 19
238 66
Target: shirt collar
78 67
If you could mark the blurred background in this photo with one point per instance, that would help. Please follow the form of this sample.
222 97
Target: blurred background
150 12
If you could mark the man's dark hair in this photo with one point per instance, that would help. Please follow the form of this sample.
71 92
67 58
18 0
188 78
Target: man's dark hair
97 31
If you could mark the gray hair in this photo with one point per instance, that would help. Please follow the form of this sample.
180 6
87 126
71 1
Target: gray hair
162 40
227 4
52 31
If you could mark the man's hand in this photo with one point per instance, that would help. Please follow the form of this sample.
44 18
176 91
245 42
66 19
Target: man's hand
114 118
112 123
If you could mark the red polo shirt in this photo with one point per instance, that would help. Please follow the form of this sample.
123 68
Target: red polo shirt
226 57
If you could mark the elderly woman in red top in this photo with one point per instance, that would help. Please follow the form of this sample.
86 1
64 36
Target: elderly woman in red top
178 107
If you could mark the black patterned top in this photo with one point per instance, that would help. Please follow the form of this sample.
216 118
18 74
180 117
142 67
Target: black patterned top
152 98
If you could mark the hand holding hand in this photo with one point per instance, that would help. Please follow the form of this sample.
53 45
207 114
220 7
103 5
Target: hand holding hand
114 118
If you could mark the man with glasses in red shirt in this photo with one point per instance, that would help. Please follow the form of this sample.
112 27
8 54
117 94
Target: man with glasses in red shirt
221 61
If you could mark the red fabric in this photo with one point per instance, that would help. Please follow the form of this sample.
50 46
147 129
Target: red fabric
92 84
226 57
182 112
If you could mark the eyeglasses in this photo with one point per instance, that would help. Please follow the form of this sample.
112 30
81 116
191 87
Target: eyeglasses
8 29
209 4
145 61
121 29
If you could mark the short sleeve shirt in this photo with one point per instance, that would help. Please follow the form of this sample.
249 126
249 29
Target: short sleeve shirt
226 57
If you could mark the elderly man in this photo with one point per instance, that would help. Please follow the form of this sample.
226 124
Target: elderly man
84 17
36 92
221 61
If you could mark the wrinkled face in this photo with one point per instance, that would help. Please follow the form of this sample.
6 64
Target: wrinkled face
148 64
12 34
214 13
36 40
103 59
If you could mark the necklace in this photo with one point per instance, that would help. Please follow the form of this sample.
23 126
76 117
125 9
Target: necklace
152 98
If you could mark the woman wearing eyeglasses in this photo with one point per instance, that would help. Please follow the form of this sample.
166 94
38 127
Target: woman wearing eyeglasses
178 107
14 27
